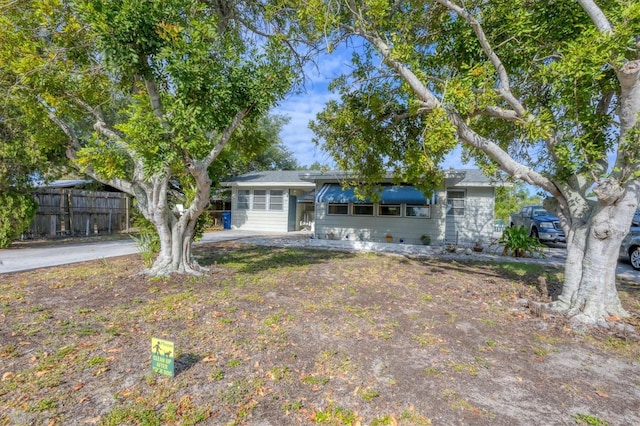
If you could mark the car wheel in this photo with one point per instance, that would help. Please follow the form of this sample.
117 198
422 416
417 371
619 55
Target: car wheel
634 257
534 233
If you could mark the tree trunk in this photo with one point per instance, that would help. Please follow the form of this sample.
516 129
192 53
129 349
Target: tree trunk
176 230
175 246
589 293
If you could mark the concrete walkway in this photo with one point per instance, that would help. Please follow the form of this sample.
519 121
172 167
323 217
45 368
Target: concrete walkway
27 258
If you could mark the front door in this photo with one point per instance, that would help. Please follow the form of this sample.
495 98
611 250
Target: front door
455 215
293 206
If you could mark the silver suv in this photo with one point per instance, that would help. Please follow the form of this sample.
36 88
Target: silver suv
631 243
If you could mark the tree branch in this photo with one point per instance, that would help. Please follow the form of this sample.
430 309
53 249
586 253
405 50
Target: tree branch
101 127
156 103
597 16
74 146
465 133
225 137
505 114
505 85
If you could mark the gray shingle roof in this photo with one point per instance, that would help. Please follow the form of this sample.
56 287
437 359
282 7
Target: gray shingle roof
269 176
461 177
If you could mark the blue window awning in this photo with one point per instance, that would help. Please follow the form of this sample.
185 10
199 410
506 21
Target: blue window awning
392 194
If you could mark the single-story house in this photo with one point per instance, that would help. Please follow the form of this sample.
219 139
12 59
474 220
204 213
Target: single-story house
269 201
460 212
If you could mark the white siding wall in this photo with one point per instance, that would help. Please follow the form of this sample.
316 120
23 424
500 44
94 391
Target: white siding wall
477 222
376 228
260 220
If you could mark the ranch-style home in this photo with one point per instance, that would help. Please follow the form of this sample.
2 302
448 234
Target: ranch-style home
460 212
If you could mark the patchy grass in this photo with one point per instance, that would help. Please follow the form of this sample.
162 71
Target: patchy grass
292 336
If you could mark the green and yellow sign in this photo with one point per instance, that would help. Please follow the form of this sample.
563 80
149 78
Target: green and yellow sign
162 356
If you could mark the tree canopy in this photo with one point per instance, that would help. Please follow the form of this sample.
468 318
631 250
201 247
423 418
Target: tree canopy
546 91
138 94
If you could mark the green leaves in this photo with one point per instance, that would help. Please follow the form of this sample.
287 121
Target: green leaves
517 242
18 210
537 79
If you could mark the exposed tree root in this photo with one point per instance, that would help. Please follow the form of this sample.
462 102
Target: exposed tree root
581 318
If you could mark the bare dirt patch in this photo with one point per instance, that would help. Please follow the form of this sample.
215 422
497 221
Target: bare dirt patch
275 336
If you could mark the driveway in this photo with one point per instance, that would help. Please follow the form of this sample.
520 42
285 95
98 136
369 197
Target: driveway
27 258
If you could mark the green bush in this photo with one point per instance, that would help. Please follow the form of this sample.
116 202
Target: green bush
18 210
148 241
518 243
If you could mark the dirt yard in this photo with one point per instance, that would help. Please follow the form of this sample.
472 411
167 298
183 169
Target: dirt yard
275 336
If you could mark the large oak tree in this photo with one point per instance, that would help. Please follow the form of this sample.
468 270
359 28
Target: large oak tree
546 91
145 94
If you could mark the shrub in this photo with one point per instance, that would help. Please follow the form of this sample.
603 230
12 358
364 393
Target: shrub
18 210
518 243
148 241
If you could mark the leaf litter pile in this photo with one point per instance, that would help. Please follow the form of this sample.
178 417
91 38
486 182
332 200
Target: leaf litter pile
276 336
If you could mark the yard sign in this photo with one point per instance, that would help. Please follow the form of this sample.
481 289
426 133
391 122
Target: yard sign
162 356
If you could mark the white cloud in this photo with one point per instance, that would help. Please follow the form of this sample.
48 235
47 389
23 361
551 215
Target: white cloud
296 135
303 108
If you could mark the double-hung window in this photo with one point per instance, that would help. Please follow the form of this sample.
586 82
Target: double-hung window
243 199
259 199
276 197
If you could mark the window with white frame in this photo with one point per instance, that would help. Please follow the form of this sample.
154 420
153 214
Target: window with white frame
276 199
259 199
455 203
243 199
389 210
363 209
417 210
338 208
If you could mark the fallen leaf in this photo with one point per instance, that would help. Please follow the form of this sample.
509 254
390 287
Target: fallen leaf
100 371
602 394
8 376
78 386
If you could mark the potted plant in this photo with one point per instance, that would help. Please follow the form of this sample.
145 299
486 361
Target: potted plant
426 240
477 247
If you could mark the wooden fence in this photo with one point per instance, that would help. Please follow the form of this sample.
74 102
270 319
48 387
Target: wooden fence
74 212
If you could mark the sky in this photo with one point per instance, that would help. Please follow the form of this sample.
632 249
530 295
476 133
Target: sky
302 108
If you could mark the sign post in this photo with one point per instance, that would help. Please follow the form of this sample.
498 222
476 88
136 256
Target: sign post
162 357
